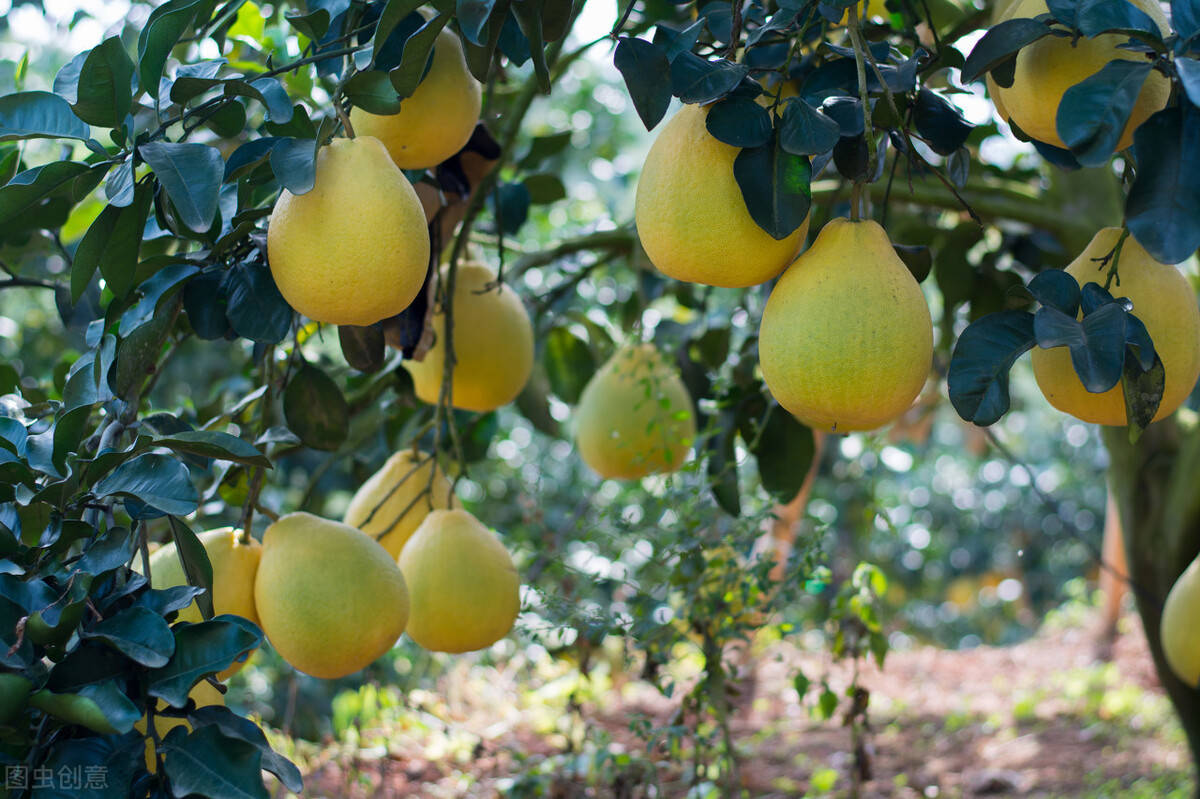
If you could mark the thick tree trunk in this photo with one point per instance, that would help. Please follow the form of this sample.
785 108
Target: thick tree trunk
1156 483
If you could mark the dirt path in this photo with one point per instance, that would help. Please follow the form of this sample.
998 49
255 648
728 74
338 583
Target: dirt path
1041 719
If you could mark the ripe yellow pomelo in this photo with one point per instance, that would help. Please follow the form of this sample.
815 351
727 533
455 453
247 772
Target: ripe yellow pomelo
234 565
493 344
394 501
204 694
635 416
355 249
464 589
1050 66
690 214
331 599
846 340
437 120
1180 633
1164 301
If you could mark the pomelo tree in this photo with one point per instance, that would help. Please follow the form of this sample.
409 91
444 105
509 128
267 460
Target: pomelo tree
138 181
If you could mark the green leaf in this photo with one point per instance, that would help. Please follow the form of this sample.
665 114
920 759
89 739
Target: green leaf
372 91
569 364
510 203
804 130
528 14
112 243
1093 114
363 347
543 147
116 758
206 763
31 191
722 464
784 452
162 31
104 92
1189 77
200 650
418 51
395 12
294 162
138 633
984 353
472 18
110 551
695 80
138 353
940 124
232 725
255 308
545 188
214 444
118 187
1097 343
39 115
268 91
159 481
315 409
775 187
643 64
739 121
101 707
1000 44
193 557
1162 209
1143 389
192 175
1185 18
1095 17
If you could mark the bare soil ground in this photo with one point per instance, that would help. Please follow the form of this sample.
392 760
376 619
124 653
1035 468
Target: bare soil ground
1045 718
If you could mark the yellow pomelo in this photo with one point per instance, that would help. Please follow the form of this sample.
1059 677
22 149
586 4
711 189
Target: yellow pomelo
493 344
437 120
464 589
331 599
846 341
355 248
234 565
204 695
876 9
1180 633
394 501
635 416
1050 66
690 214
1164 301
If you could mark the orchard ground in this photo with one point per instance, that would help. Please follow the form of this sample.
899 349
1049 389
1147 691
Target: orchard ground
1044 718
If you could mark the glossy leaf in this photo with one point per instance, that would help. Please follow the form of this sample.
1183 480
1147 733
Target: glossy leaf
1095 17
192 175
193 557
200 650
138 633
696 80
38 115
1097 343
569 364
472 18
294 162
643 64
103 91
206 763
112 244
418 52
1000 43
234 726
159 481
255 308
1093 114
983 355
215 444
29 191
739 121
364 348
784 451
162 31
806 131
1056 288
940 123
775 187
1162 209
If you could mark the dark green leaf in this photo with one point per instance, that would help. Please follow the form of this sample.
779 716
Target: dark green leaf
1185 18
775 187
101 707
569 364
418 51
543 147
232 725
138 633
200 650
112 243
643 64
978 378
104 91
110 551
116 758
372 91
294 162
1097 343
395 12
205 306
192 175
35 115
196 565
1093 114
157 480
66 81
29 192
1095 17
154 292
254 306
472 18
739 121
510 203
529 16
545 188
695 80
268 91
1000 44
722 464
118 187
1162 209
784 451
214 444
1189 77
206 763
940 123
1143 390
162 31
1056 288
314 25
363 347
804 130
315 409
918 258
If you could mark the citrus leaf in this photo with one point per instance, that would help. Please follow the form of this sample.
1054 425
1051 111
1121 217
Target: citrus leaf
806 131
1162 209
695 80
739 121
192 175
315 409
983 355
38 115
214 444
138 633
197 568
642 64
157 480
103 91
206 763
200 650
999 44
775 187
1092 114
